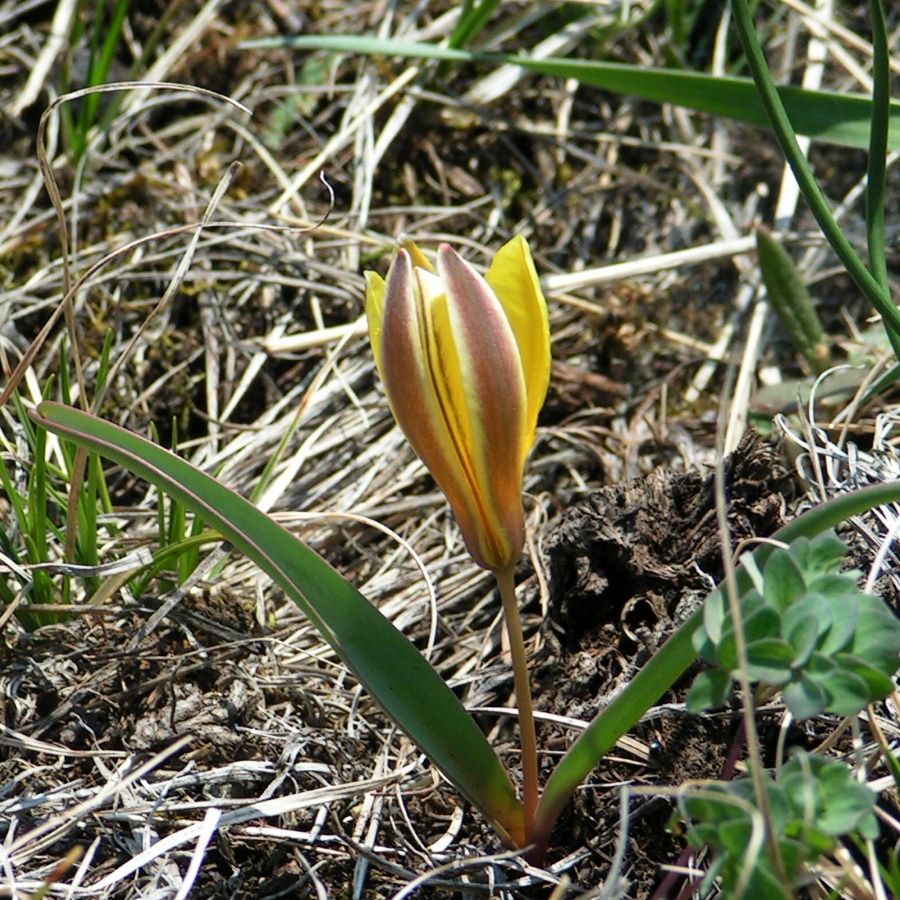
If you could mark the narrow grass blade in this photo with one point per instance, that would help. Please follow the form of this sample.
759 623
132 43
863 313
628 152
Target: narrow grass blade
472 19
670 662
786 132
876 173
383 660
105 39
834 118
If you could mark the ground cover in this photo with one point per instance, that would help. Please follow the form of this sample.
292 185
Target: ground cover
190 733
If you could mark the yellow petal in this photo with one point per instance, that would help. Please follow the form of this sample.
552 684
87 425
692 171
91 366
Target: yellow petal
514 279
375 314
465 374
487 392
419 259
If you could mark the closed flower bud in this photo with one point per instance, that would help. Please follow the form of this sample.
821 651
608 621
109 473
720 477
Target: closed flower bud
465 362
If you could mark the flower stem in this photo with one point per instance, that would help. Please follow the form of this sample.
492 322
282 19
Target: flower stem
506 583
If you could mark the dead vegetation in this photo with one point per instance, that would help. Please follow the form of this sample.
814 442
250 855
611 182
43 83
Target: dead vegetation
203 741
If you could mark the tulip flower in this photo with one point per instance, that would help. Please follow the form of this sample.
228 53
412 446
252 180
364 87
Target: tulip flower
465 362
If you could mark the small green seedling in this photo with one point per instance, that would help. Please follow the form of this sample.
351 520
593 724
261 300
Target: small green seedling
812 802
809 631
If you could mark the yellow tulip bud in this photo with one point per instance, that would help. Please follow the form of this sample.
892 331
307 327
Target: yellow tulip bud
465 362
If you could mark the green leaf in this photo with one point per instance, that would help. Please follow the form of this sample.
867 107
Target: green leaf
784 582
383 660
877 634
876 170
763 622
801 627
702 834
878 683
711 805
814 801
769 661
811 841
826 116
764 883
825 555
472 20
709 691
804 697
750 565
727 652
842 803
706 649
760 621
847 804
793 856
715 612
848 693
734 835
844 615
837 585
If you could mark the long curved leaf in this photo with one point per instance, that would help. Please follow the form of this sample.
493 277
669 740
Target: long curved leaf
824 115
383 660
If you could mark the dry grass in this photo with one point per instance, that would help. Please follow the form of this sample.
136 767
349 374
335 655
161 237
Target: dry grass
206 743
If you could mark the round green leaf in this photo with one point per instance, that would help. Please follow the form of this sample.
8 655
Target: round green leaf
847 692
784 582
769 660
709 691
801 627
804 698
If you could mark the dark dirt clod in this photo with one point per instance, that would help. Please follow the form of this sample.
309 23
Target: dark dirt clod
629 554
626 566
